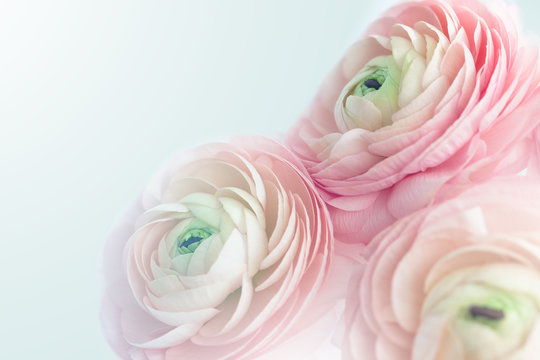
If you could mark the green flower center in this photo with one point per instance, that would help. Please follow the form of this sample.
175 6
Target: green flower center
371 83
486 312
190 240
489 311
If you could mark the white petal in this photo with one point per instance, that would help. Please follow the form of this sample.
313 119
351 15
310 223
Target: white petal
256 241
242 195
235 210
362 114
231 256
411 82
197 265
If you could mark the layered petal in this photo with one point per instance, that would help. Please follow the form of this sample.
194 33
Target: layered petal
445 90
457 280
226 255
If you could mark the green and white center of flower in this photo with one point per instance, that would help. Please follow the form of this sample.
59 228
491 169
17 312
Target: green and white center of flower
370 99
486 317
196 241
372 82
190 240
494 311
499 321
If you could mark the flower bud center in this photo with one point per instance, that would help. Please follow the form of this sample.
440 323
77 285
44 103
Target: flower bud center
190 240
370 99
371 83
486 313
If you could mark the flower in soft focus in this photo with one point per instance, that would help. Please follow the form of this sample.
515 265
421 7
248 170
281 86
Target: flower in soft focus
220 257
436 92
460 280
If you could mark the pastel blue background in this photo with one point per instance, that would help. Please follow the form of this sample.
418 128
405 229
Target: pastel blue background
96 95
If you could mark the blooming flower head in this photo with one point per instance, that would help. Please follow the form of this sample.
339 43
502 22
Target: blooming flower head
219 258
437 91
459 280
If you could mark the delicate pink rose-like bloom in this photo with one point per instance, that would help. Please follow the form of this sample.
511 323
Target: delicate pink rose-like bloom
437 92
460 280
220 257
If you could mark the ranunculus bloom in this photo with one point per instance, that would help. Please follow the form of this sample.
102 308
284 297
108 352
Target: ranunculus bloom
220 257
460 280
435 92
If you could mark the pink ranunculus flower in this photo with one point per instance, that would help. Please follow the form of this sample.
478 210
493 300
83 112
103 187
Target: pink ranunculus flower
221 258
436 92
459 280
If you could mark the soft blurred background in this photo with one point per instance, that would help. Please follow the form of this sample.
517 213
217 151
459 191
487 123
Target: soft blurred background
96 95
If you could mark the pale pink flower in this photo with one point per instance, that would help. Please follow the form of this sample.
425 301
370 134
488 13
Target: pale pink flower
436 92
459 280
220 258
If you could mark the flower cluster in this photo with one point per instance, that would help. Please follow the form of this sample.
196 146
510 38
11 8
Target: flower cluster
394 223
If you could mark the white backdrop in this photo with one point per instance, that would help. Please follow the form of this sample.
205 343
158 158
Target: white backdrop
96 95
